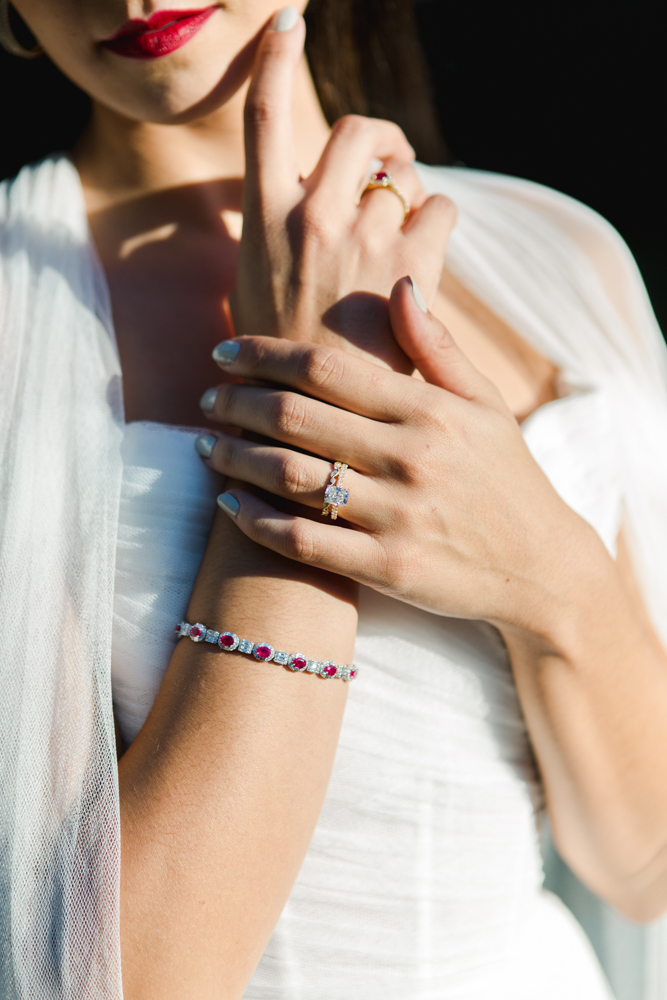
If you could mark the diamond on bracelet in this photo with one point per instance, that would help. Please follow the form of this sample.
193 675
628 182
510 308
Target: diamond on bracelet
245 646
211 635
280 657
313 667
182 628
337 495
228 641
298 661
197 632
262 651
328 669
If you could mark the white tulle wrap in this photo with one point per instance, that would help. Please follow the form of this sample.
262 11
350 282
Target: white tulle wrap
552 269
60 474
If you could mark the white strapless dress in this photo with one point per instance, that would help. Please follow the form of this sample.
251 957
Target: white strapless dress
424 877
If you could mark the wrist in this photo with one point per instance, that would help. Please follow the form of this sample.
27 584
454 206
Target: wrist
571 598
256 592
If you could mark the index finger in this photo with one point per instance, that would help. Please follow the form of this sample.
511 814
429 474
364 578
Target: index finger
333 376
269 133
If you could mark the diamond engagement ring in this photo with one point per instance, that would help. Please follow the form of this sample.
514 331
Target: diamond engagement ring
334 495
383 179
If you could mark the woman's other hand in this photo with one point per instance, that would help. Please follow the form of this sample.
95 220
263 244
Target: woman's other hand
450 512
317 259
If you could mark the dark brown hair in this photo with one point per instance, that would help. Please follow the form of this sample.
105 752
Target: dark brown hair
366 59
364 55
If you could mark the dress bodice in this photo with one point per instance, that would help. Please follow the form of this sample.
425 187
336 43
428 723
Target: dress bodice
424 875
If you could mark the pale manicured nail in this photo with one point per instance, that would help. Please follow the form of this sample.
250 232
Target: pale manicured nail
419 298
226 352
285 19
229 504
205 444
207 402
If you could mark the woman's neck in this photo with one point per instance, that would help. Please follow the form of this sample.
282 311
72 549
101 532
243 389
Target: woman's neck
120 159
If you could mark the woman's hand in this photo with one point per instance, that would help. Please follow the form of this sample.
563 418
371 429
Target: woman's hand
450 512
316 261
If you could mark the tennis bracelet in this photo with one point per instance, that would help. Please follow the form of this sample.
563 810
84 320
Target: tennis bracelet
230 642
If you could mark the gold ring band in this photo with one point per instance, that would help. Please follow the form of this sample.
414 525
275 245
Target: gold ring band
383 179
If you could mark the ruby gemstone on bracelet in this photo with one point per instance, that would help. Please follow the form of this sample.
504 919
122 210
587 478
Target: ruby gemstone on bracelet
298 661
228 641
262 651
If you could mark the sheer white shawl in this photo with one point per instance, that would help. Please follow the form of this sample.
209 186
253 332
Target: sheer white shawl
60 473
555 271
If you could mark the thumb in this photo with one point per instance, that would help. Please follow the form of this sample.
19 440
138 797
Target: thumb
432 349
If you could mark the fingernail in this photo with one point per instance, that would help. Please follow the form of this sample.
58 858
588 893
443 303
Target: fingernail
229 504
285 19
205 444
226 352
207 402
419 298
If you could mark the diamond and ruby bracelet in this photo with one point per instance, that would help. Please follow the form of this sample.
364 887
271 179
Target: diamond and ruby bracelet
229 641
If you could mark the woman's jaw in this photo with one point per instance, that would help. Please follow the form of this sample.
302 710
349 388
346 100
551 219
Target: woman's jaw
172 121
126 58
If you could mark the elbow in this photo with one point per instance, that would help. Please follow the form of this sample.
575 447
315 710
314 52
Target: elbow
641 908
639 898
633 881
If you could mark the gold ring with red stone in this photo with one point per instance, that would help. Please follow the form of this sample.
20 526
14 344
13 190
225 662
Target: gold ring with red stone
384 179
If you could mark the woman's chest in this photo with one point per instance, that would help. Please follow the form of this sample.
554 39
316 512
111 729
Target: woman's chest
169 292
524 378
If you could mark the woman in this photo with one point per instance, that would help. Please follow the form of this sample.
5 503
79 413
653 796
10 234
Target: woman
494 620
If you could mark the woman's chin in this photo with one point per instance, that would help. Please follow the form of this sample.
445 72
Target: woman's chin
181 87
168 95
175 105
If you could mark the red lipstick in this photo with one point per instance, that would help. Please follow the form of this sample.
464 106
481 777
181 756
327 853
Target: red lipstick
163 32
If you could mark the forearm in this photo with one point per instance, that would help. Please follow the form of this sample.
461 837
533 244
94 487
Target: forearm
221 790
592 680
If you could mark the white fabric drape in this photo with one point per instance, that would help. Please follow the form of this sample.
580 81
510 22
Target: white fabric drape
60 472
552 269
562 277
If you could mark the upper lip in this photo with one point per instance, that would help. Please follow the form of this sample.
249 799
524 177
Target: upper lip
160 19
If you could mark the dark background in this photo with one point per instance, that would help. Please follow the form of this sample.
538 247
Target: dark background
570 95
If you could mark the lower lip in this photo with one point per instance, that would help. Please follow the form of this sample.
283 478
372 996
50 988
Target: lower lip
160 42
